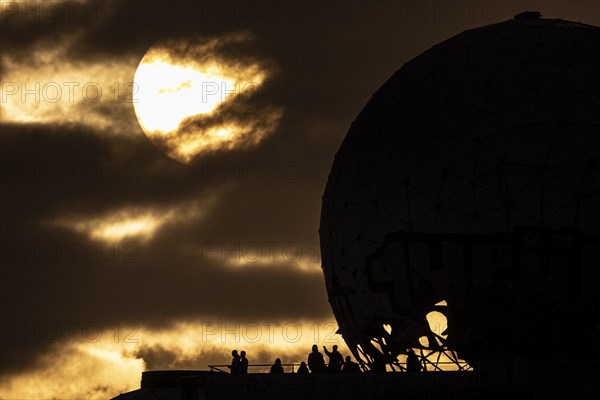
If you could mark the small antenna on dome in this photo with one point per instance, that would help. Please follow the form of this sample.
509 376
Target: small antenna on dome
528 15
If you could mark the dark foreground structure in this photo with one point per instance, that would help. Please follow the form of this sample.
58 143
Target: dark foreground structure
555 383
470 185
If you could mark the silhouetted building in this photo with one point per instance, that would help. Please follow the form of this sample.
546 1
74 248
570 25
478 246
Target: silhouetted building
472 176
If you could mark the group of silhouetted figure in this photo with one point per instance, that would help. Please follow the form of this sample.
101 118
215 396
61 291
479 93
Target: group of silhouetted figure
316 363
239 364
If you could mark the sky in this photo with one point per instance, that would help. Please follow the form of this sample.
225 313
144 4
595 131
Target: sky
128 240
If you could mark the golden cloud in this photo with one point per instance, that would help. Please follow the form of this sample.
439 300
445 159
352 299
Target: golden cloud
140 223
105 363
52 88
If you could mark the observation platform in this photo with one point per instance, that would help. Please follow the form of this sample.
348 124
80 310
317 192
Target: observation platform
550 383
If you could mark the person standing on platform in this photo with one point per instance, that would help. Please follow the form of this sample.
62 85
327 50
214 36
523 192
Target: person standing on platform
316 362
335 359
350 366
235 363
243 363
413 363
276 368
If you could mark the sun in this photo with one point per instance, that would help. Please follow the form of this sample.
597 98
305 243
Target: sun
193 97
173 93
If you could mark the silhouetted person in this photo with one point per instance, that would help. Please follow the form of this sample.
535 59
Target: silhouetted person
316 362
235 363
302 369
350 366
243 363
335 359
413 363
276 368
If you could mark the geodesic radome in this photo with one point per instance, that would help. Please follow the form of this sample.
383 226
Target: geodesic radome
473 176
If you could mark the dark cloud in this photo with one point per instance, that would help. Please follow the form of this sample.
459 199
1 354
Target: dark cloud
53 274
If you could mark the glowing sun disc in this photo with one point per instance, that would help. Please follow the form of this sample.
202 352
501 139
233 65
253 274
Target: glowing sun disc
168 94
197 96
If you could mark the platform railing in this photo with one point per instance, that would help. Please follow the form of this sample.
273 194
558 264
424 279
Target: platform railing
291 367
224 367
